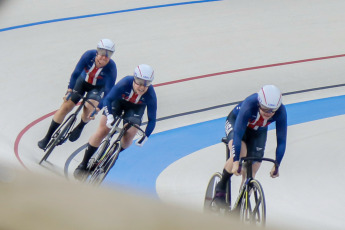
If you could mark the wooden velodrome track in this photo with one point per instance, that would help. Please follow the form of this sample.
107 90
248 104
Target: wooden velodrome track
205 54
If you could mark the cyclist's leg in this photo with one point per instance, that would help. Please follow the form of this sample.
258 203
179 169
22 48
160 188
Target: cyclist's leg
226 175
58 118
101 132
256 167
88 109
127 139
229 130
92 146
134 113
67 106
52 128
220 190
94 95
64 109
256 143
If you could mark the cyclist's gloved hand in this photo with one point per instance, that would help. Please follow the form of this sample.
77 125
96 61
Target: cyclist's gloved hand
140 142
274 172
93 114
110 121
67 95
236 169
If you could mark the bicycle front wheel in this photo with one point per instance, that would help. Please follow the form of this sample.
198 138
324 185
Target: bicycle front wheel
209 204
104 166
97 156
253 206
59 136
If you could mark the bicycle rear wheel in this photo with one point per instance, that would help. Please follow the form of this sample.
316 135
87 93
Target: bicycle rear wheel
104 166
209 204
253 205
59 137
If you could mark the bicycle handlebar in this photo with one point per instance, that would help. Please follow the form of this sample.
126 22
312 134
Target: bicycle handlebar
94 112
68 96
245 159
131 122
84 99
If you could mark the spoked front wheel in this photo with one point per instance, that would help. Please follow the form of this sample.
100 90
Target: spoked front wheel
209 204
253 206
105 164
97 156
59 137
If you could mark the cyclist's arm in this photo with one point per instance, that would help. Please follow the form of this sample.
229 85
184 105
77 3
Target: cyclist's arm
115 93
151 115
239 129
281 131
78 69
111 78
109 84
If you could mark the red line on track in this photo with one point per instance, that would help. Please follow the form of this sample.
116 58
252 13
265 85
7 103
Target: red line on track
20 135
247 69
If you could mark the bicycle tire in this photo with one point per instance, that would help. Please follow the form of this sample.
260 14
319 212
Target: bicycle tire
61 137
253 205
104 166
114 156
95 159
209 204
97 156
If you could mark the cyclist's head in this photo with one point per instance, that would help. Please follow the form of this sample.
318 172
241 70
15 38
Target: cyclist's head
106 47
143 75
270 98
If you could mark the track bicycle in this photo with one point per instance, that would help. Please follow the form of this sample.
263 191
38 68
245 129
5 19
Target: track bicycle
107 153
250 204
61 135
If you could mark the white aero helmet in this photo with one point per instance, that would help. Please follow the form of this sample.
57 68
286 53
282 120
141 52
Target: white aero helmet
270 98
106 47
143 75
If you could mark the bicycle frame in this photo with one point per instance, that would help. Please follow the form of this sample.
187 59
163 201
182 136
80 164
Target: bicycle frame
251 187
61 135
250 203
107 154
99 154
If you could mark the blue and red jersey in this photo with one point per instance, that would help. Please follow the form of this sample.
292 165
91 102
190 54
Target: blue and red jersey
248 116
86 68
123 90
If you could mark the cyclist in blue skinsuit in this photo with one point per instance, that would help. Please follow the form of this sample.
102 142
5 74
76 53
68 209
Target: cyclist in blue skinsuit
95 74
246 129
132 94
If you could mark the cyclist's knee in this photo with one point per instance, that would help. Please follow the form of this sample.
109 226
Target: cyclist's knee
96 138
89 107
66 107
60 115
256 167
125 143
102 131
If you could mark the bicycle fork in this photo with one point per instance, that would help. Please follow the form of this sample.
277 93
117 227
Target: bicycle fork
242 195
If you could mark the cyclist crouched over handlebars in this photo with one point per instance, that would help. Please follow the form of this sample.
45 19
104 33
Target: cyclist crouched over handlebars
95 73
246 130
130 95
